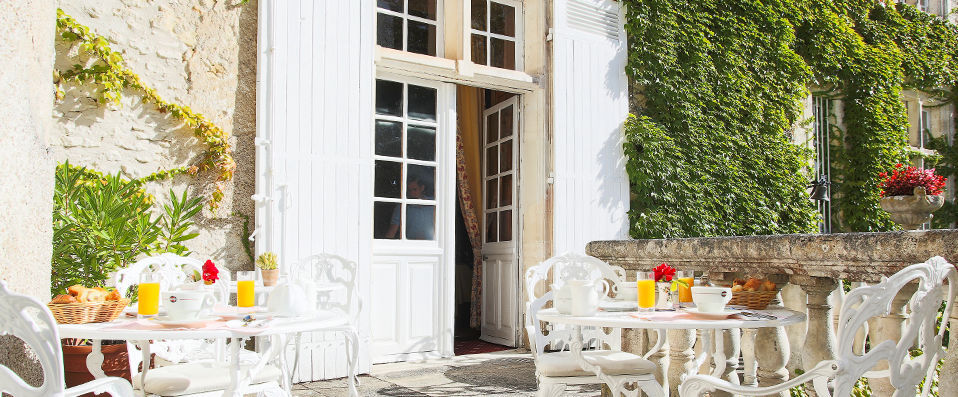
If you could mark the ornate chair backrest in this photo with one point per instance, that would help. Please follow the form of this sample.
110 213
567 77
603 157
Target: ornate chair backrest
174 270
937 283
324 270
568 266
29 320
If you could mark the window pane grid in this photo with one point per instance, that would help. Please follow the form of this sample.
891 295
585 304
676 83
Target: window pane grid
489 33
407 16
415 34
499 175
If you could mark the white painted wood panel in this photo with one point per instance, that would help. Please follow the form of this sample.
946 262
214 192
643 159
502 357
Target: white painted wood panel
590 97
314 148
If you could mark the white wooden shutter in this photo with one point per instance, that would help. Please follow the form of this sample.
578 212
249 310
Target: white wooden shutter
313 146
590 97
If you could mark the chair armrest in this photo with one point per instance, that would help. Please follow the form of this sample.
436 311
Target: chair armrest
117 387
698 385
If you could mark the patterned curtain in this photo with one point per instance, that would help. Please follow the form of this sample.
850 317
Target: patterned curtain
468 183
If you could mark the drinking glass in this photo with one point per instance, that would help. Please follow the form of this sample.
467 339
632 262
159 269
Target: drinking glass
685 291
645 285
245 296
148 294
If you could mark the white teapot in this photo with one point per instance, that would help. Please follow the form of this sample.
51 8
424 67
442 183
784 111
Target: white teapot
562 298
585 295
288 299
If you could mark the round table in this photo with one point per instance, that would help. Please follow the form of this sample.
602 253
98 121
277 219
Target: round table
774 316
140 333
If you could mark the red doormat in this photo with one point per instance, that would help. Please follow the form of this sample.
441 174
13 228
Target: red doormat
476 346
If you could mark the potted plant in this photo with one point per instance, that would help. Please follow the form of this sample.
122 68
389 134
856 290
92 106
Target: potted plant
268 268
665 284
911 194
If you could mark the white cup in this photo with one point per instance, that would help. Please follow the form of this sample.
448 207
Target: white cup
711 299
187 305
628 291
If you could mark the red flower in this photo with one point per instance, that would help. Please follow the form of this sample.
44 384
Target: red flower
902 181
210 272
663 272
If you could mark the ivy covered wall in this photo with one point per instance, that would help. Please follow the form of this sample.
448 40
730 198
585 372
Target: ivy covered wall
717 91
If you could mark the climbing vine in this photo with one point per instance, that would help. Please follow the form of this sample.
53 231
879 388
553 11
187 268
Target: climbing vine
717 90
109 72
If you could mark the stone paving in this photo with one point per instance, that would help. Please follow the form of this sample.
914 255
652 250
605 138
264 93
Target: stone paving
506 373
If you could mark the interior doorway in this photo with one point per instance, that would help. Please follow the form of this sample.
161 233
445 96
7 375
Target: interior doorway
486 273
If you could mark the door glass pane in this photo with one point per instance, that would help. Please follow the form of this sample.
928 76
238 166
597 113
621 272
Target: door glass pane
503 53
491 227
422 38
388 98
388 177
391 5
502 19
505 156
388 138
422 103
387 220
492 128
505 191
492 193
423 8
420 222
479 49
422 143
505 225
492 161
421 182
479 15
505 122
389 31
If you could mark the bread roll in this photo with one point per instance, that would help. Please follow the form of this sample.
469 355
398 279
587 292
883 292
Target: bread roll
113 296
768 285
753 284
62 299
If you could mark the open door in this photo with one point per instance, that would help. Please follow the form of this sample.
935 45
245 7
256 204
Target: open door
590 103
500 265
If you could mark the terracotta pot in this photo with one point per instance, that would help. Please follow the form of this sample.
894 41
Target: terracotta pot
912 211
270 277
115 363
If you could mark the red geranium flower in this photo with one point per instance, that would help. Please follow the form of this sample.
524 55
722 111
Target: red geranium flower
902 181
210 272
664 272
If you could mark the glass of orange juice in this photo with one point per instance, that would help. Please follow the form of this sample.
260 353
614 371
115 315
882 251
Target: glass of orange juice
685 291
245 295
645 284
148 294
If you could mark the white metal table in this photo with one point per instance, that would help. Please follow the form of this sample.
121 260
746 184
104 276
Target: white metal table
277 328
777 317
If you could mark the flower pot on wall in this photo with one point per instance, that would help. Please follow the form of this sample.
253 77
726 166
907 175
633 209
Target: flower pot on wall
912 211
270 277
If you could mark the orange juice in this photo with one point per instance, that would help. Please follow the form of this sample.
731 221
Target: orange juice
646 290
244 293
148 296
685 291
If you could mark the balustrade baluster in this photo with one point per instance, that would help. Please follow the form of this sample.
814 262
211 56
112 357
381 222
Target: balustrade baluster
681 356
750 370
948 385
889 327
819 321
794 298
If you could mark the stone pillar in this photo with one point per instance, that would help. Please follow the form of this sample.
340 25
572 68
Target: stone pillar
772 350
681 356
794 298
750 369
819 320
26 166
948 385
889 327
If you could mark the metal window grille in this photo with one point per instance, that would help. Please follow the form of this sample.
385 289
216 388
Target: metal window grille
822 110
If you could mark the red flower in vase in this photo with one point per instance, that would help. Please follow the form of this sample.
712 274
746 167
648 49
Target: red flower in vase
210 272
663 272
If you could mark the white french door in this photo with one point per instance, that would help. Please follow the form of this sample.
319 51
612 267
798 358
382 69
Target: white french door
413 216
500 265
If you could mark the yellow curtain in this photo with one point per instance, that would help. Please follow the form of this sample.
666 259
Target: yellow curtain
469 182
470 131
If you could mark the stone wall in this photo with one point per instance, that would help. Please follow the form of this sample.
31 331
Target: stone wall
200 54
26 166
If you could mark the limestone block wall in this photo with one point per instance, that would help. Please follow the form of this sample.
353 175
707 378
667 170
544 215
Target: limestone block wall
201 54
26 165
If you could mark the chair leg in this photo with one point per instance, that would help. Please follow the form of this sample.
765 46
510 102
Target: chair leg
550 389
651 388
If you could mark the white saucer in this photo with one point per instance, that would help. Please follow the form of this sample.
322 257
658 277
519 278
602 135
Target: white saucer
712 316
619 306
165 320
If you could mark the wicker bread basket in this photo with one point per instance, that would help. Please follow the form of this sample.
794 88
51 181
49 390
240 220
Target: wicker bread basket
87 312
754 300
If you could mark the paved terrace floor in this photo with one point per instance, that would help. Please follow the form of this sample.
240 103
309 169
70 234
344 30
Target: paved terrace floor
505 373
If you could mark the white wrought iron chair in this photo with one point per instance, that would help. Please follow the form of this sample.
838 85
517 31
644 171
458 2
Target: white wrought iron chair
555 370
29 320
921 330
332 281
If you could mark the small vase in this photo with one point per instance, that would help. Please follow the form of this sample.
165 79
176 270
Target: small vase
270 277
912 211
663 296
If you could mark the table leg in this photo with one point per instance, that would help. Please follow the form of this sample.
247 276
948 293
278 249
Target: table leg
94 360
145 359
708 336
234 367
352 352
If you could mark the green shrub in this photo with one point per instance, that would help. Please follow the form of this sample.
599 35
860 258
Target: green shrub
104 222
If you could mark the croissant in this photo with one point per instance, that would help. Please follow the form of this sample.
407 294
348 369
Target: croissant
75 289
768 285
753 284
113 296
61 299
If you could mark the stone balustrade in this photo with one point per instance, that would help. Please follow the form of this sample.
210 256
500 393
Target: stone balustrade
809 269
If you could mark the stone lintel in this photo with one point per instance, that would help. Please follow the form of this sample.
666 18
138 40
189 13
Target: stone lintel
850 256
